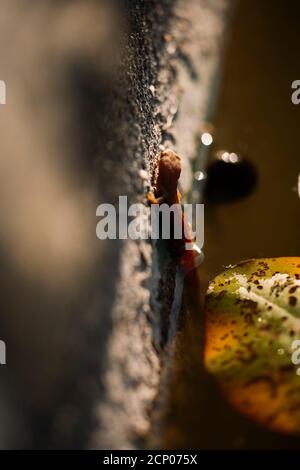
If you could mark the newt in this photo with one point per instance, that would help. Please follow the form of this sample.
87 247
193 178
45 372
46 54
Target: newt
166 185
166 192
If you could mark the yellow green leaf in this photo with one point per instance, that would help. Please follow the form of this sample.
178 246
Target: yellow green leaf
252 320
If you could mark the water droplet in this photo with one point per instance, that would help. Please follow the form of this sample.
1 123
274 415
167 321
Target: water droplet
171 48
228 157
206 139
152 89
143 174
280 351
199 175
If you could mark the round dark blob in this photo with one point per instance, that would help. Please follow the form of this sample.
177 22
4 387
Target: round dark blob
230 177
293 301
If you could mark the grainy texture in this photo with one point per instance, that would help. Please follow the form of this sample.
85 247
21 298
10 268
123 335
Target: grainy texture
92 92
175 63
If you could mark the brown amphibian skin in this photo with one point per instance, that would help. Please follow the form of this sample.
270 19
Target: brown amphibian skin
169 169
166 192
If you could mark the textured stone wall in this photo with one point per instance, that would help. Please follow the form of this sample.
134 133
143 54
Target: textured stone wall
94 91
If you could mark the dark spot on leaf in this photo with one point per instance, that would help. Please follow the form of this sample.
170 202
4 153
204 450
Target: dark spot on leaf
249 319
293 301
293 289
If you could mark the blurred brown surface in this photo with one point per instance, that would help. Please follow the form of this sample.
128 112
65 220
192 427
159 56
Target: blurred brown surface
78 123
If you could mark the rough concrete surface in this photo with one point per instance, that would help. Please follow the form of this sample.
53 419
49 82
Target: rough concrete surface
188 61
94 91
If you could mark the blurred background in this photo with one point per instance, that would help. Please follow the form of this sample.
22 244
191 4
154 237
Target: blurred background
94 90
251 210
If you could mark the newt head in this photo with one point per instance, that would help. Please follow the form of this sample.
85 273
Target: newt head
169 169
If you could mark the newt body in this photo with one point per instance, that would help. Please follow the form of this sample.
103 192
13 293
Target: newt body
166 192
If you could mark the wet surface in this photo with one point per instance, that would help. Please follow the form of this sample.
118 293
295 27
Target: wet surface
255 117
230 177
